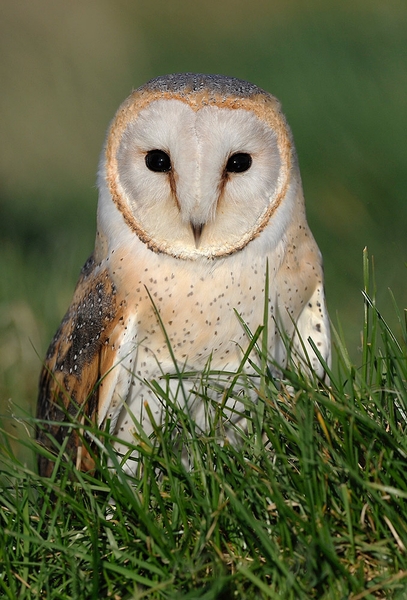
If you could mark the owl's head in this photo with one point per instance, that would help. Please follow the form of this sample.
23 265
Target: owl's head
199 166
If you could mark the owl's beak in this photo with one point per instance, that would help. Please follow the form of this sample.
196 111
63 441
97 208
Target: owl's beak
197 231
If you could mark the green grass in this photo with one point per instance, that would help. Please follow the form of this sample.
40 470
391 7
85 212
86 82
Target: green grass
312 505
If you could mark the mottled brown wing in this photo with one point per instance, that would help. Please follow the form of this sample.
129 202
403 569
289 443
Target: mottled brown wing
68 389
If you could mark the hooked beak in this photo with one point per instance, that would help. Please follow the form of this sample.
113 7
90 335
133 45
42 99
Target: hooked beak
197 231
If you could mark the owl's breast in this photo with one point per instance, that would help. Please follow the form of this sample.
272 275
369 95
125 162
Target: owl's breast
193 309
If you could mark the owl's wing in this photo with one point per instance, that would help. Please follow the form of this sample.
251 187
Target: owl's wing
87 371
302 298
313 323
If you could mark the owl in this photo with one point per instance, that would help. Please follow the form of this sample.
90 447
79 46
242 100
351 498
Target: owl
200 197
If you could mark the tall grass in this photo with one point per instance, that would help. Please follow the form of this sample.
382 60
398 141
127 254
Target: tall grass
313 504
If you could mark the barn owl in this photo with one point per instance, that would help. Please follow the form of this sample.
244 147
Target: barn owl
199 195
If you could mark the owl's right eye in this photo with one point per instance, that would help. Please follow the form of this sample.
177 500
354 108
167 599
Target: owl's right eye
158 161
239 162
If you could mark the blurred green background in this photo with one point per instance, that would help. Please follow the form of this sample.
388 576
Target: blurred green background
338 67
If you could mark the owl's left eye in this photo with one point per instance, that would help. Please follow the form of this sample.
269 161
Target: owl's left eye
239 162
158 161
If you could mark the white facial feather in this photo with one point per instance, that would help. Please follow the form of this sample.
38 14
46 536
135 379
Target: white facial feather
199 144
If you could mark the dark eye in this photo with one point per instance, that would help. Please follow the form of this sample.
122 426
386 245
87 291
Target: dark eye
158 161
238 163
